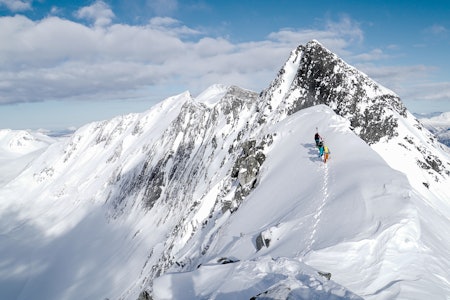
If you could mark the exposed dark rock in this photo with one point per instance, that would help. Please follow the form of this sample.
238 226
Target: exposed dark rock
325 274
227 260
144 295
246 169
262 241
153 182
434 163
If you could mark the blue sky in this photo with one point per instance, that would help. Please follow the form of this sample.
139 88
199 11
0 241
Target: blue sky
66 63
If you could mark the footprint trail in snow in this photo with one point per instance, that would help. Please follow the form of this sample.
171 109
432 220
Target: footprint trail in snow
317 215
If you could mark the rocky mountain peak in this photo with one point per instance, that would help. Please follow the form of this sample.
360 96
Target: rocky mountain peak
314 75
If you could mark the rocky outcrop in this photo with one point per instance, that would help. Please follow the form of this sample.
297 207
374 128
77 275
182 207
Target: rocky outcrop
262 240
247 166
326 275
145 296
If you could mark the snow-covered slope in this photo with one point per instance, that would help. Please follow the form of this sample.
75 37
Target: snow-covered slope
17 149
14 143
223 196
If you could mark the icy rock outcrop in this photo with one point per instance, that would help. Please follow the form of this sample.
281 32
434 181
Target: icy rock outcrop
262 240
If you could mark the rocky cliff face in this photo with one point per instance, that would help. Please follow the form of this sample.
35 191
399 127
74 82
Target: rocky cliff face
204 148
313 75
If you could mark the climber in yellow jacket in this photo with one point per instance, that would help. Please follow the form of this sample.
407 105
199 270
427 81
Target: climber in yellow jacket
326 153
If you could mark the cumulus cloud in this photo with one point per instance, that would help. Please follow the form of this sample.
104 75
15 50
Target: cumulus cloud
394 77
99 12
171 26
16 5
432 91
375 54
413 83
336 35
55 58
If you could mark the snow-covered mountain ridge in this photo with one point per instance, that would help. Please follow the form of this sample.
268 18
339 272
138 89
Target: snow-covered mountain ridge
23 144
222 196
313 75
20 142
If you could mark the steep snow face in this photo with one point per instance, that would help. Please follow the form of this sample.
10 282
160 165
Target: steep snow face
425 161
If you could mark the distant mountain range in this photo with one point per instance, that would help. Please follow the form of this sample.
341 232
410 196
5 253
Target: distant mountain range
439 125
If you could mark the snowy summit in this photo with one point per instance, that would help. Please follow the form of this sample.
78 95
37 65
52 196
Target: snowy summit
224 196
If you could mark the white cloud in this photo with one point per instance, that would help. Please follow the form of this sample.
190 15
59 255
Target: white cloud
171 26
16 5
55 10
412 83
346 27
336 35
54 58
99 12
375 54
435 91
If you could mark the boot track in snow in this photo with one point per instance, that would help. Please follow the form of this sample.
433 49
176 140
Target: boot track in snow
317 215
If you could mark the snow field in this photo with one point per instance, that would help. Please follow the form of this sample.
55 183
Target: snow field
359 223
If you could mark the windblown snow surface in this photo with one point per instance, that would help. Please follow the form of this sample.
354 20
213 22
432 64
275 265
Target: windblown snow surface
163 204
